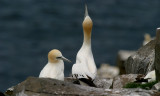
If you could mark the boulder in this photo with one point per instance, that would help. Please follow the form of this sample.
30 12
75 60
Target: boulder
33 86
122 80
103 83
132 92
50 87
156 86
142 61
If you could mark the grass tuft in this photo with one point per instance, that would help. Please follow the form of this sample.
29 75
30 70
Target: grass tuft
146 86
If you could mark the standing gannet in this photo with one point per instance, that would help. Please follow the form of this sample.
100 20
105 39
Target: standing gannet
85 69
55 66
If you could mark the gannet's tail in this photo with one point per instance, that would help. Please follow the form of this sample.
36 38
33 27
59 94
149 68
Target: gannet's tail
87 82
151 76
83 75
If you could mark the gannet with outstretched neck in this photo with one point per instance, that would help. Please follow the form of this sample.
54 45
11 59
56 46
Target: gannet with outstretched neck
85 69
55 66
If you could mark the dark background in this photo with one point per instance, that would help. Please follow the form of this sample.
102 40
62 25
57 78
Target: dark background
29 29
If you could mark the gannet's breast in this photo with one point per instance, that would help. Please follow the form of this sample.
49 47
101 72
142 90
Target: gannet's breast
85 58
55 71
81 68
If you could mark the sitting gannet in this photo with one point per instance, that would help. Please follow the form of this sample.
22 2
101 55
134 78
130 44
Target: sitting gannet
55 66
85 69
151 76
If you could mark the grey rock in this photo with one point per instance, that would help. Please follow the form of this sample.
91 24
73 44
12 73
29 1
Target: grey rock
50 87
121 59
122 80
132 92
142 61
33 86
157 55
156 86
71 80
103 83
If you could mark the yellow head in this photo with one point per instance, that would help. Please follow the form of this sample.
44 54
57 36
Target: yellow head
55 56
87 24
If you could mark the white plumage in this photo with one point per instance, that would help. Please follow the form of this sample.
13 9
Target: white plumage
151 76
52 70
85 65
55 66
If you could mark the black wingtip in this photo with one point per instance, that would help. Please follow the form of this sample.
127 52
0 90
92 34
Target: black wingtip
88 82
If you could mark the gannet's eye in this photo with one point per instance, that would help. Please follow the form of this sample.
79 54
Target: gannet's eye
58 57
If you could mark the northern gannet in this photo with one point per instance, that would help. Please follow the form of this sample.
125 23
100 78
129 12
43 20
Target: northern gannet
85 68
55 66
151 76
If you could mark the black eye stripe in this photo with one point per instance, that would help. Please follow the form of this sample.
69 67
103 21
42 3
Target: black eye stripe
58 57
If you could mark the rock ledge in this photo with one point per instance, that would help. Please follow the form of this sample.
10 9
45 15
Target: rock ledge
33 86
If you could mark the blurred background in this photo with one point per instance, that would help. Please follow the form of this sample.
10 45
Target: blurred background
29 29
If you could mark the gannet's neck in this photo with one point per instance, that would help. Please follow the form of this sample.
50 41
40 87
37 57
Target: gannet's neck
87 30
87 39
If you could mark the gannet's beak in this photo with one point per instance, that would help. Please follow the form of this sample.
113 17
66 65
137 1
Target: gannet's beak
86 11
65 59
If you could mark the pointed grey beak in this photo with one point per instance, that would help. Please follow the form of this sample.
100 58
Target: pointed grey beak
86 11
65 59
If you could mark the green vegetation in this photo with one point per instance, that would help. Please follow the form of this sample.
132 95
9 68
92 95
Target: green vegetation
139 85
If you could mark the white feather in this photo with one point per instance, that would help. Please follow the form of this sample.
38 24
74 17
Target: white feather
53 70
151 76
85 64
